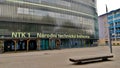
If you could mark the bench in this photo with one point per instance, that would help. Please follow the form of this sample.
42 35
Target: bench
90 57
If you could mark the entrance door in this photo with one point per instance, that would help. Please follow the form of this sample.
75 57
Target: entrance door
65 43
9 45
52 44
21 45
32 45
44 44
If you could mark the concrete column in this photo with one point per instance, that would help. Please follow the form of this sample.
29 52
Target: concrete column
15 41
49 43
38 44
88 42
2 45
83 42
28 44
58 43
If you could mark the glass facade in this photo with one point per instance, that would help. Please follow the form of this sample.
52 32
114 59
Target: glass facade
51 16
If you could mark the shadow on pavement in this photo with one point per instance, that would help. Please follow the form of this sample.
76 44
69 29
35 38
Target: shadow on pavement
91 62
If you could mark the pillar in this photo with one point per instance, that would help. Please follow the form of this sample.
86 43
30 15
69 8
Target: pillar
2 45
15 41
58 43
83 43
80 42
38 44
28 44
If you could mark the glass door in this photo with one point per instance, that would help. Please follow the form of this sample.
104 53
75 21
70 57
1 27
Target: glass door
44 44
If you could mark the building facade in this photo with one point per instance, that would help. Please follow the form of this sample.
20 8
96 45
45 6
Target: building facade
114 22
103 29
47 24
109 24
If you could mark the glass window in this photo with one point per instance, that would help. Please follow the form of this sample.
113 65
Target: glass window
23 10
20 10
76 20
31 11
26 11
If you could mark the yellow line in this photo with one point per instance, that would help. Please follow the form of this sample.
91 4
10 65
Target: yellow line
22 2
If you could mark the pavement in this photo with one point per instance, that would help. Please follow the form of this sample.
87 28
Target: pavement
59 58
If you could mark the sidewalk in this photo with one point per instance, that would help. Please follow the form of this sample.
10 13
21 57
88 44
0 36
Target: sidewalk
58 58
99 50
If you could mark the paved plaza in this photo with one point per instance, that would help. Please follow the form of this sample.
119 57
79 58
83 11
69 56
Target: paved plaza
59 58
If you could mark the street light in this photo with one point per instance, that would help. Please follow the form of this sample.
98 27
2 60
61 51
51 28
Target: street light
110 45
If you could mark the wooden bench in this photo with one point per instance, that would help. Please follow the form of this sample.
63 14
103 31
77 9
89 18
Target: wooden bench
90 57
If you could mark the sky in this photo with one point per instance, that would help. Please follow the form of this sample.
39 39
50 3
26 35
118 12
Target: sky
111 5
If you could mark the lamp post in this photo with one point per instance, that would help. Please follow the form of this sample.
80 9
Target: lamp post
109 34
110 45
